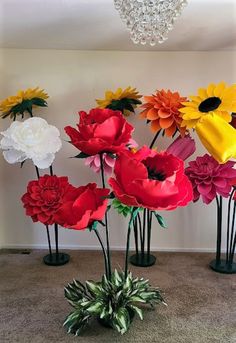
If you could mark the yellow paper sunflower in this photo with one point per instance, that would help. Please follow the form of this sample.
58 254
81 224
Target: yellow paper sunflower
218 98
122 100
23 102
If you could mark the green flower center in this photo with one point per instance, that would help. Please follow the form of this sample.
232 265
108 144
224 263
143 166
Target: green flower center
156 175
209 104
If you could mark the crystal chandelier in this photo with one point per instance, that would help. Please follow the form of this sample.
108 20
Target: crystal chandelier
149 20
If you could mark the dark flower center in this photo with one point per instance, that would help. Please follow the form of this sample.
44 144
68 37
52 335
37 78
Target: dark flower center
210 104
50 196
156 175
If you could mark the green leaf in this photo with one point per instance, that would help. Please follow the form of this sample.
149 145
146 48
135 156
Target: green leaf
121 208
81 155
93 287
138 311
93 226
123 319
160 220
95 308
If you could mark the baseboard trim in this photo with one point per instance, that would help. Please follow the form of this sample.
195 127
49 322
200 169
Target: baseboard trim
94 247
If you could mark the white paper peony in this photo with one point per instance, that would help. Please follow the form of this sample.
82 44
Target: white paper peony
32 139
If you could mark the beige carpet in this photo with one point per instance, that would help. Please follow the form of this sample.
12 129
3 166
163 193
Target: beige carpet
202 304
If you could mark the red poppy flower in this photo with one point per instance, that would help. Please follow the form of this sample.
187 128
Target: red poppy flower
101 130
152 180
86 205
45 196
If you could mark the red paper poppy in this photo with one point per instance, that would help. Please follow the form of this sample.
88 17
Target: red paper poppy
152 180
86 205
45 196
101 130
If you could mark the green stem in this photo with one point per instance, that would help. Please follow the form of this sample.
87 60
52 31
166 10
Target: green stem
106 222
104 252
128 243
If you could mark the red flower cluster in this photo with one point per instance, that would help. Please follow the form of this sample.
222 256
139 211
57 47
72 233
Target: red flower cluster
101 130
152 180
86 205
45 196
52 199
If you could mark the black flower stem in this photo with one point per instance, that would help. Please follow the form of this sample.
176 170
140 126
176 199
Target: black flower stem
232 238
154 139
136 235
49 241
228 225
37 172
56 239
140 230
48 235
149 223
219 229
128 243
144 230
104 252
55 225
106 221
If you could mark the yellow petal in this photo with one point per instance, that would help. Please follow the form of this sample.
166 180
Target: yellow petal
219 89
210 90
218 137
202 93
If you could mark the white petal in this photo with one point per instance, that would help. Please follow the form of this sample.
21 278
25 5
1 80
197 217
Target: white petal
44 163
6 143
14 156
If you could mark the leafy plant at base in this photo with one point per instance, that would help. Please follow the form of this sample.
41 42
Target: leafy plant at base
113 302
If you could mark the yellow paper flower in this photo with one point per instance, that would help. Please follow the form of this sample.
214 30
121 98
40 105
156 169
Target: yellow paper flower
122 100
218 137
23 101
218 98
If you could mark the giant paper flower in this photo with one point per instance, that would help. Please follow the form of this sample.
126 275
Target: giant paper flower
162 109
99 131
151 180
23 101
217 98
122 100
86 205
45 196
182 147
32 139
210 178
94 163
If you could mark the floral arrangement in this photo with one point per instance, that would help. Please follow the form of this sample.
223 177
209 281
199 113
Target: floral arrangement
141 182
36 140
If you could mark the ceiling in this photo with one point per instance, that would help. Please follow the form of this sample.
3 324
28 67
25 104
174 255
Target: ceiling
95 25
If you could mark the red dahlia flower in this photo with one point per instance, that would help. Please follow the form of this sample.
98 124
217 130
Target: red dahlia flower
209 178
86 205
101 130
45 196
152 180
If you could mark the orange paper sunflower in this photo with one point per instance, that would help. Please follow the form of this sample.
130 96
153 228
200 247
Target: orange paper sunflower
162 110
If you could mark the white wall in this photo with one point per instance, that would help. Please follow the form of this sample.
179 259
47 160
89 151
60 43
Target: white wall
73 80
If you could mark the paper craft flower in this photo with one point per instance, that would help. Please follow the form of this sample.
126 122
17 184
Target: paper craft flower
22 102
44 197
218 137
122 100
99 131
94 163
162 109
152 180
218 98
210 178
32 139
182 147
86 205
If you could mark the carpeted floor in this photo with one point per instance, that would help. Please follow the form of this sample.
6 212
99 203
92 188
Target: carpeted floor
201 303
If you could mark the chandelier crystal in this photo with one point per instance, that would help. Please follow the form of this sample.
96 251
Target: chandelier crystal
149 21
